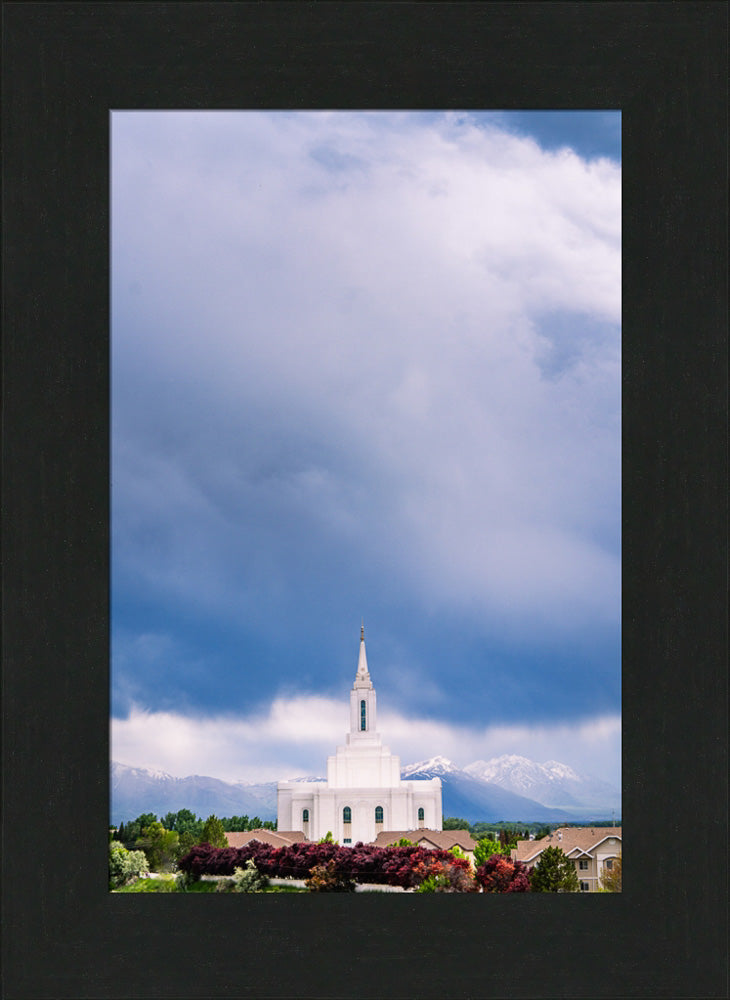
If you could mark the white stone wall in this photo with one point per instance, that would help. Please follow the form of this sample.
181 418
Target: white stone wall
326 805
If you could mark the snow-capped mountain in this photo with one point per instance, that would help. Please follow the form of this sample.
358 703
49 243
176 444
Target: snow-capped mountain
508 788
470 798
551 783
435 767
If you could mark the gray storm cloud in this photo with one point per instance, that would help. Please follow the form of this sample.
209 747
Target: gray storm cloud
336 324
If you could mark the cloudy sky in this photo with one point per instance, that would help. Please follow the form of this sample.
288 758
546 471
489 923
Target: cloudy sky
365 365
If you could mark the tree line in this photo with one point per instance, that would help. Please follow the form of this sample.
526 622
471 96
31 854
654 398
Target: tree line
167 839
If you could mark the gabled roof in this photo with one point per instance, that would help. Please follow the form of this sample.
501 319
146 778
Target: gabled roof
575 841
277 838
442 839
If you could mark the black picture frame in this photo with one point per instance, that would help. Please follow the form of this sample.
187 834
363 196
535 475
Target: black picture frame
65 66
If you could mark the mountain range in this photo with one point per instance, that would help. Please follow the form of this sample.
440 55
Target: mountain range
509 787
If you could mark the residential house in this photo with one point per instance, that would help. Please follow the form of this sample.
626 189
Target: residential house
277 838
433 839
592 849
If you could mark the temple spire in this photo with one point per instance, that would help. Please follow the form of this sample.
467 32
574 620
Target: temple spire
362 677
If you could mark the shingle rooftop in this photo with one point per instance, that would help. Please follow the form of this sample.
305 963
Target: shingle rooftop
443 839
277 838
573 841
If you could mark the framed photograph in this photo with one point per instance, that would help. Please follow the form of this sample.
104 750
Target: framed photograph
364 380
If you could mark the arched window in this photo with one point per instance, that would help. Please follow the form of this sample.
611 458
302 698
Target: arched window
378 814
305 816
362 715
347 815
421 814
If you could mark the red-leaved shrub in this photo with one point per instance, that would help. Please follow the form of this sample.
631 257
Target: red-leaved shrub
500 874
364 863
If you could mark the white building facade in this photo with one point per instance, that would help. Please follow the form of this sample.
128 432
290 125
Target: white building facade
364 794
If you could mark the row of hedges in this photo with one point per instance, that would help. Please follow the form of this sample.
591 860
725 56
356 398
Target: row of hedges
407 867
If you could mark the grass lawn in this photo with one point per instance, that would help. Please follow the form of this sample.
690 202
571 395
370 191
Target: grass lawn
167 884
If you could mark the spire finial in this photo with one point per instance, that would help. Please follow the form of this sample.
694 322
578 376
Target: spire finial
362 630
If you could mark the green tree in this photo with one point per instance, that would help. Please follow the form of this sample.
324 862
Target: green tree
185 844
183 821
213 833
124 865
554 873
452 823
485 848
611 878
235 823
161 846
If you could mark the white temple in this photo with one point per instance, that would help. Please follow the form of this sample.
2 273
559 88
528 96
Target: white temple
364 794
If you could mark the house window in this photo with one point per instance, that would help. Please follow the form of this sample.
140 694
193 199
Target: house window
584 887
347 815
583 864
609 864
421 815
305 816
362 715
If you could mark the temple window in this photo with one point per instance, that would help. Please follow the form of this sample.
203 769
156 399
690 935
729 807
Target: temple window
378 814
347 815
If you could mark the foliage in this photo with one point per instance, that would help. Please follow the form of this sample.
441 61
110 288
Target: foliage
130 832
249 879
124 865
184 821
508 837
440 875
501 874
458 853
327 839
452 823
434 883
186 840
554 872
483 829
404 866
611 878
243 824
213 833
329 877
485 848
161 846
185 881
403 842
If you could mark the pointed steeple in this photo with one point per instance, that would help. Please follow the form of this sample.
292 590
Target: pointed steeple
362 677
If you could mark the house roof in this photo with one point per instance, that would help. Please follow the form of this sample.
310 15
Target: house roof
277 838
573 841
442 839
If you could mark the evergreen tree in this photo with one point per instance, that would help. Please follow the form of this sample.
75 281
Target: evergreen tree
554 873
213 833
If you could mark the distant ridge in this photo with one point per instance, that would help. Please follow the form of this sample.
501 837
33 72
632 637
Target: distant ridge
510 788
